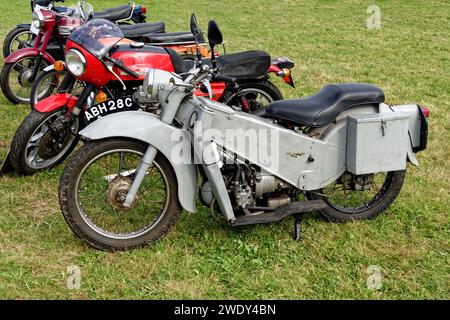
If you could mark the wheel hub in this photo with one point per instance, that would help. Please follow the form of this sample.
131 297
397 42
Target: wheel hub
25 78
50 147
117 192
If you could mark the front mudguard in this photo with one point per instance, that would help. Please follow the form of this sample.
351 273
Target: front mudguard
56 102
173 143
24 26
28 52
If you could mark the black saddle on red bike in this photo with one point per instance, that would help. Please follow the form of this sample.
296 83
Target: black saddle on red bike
241 66
115 14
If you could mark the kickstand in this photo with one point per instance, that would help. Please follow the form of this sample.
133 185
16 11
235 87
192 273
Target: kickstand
298 227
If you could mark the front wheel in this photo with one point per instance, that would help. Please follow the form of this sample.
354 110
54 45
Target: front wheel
253 96
359 197
17 79
94 185
35 147
45 86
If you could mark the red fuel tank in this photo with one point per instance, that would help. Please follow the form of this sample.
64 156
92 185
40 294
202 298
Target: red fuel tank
141 59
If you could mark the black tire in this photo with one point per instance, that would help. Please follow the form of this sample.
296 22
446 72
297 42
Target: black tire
10 38
383 202
71 213
265 86
50 91
18 152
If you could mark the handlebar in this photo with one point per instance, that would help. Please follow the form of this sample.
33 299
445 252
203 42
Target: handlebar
121 66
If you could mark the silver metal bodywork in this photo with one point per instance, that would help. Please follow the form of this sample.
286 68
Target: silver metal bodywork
303 161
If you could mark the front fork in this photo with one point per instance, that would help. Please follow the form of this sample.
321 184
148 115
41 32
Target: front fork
65 121
170 108
37 65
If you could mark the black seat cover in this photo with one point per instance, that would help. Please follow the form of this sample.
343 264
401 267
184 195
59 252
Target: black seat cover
114 14
244 65
170 37
141 29
323 108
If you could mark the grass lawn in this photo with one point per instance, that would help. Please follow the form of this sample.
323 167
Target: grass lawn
409 57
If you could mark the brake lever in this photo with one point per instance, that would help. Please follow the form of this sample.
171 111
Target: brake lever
207 84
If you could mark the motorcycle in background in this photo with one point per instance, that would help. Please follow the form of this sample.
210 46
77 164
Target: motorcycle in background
343 148
47 83
22 68
22 36
111 72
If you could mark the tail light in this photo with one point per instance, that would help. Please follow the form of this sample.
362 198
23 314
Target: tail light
425 111
284 73
144 10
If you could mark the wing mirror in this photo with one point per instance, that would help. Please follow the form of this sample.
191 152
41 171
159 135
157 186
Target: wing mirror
214 34
194 26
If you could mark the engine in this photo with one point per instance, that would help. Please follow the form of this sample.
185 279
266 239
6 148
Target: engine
251 190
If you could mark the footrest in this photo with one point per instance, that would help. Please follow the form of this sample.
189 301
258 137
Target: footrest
281 213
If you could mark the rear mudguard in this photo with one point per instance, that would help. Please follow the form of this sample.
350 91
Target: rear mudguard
28 52
56 102
173 143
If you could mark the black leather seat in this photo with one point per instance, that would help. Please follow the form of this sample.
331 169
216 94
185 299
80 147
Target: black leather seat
323 108
114 14
170 37
141 29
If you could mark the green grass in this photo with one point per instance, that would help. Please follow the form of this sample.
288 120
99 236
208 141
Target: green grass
408 58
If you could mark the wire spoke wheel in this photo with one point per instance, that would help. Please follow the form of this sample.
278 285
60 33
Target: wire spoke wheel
21 40
254 98
103 185
359 197
343 196
19 78
46 85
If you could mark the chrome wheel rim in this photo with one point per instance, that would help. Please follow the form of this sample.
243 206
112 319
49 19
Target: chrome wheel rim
19 78
340 197
46 87
257 99
93 195
21 40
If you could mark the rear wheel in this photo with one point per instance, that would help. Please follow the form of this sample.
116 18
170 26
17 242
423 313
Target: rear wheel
253 96
18 38
360 197
94 184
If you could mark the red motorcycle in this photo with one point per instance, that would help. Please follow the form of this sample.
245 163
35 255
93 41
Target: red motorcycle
113 71
52 28
22 36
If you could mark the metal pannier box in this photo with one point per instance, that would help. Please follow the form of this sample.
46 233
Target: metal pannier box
377 142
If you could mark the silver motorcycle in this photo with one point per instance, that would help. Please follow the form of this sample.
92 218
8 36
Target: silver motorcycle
342 152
